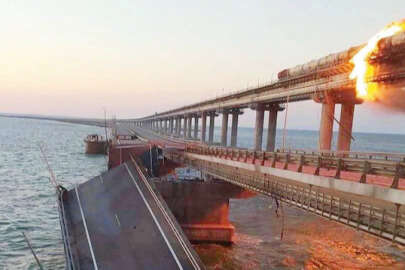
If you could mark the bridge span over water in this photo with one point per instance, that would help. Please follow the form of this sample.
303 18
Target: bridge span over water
364 190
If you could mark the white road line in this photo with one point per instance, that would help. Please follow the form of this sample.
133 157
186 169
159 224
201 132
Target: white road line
85 228
154 218
168 219
101 179
118 221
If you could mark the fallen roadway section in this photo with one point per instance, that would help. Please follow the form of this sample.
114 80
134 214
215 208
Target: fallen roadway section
119 221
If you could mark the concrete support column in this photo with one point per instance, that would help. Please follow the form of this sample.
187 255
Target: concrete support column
178 126
211 128
203 125
272 128
171 125
326 128
195 126
346 126
259 127
189 127
234 128
165 123
185 127
224 128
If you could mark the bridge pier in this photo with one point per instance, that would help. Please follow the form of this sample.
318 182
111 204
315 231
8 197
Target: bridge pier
178 126
203 126
185 127
224 128
326 128
171 125
346 126
272 127
258 126
189 127
196 126
211 128
234 127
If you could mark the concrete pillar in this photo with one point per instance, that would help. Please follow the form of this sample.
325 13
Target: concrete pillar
195 126
326 128
234 128
346 126
259 127
211 128
171 125
165 124
224 128
203 125
272 129
189 127
178 126
185 127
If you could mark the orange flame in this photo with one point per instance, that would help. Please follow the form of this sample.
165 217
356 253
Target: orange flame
362 69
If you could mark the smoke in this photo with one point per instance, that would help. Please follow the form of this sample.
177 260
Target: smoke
391 97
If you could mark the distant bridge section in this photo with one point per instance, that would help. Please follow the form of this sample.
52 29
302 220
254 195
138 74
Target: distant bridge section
325 80
362 190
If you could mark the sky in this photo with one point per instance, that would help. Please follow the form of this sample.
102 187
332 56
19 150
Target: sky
134 58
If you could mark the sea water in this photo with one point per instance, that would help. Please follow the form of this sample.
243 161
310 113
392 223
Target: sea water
28 204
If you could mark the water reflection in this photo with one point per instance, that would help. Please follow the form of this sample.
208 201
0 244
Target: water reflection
310 242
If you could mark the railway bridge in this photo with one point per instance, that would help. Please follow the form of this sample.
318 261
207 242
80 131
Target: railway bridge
364 190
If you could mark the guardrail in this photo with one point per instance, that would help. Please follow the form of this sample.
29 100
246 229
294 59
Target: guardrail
381 219
388 165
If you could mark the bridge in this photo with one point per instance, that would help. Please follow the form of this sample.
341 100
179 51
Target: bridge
363 190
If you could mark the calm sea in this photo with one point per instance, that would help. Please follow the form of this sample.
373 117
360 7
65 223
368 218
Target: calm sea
27 203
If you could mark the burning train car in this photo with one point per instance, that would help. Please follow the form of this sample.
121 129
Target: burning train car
337 63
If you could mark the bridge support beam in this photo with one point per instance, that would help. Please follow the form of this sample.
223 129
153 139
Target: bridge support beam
171 125
346 126
326 128
185 127
189 127
165 123
178 120
259 126
224 128
203 126
272 128
196 127
211 128
234 127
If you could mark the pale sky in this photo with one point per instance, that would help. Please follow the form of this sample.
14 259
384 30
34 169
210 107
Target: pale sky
73 58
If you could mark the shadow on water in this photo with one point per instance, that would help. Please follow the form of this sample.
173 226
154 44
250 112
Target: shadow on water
309 242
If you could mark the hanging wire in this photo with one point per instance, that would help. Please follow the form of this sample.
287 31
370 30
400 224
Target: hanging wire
52 177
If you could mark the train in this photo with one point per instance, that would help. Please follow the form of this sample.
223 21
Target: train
341 60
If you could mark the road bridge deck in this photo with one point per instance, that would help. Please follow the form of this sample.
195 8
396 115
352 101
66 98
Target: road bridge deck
119 221
360 190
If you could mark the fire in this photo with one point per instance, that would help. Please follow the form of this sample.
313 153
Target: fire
362 69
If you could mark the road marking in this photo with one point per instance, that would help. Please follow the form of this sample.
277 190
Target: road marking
168 219
118 221
101 179
154 218
85 228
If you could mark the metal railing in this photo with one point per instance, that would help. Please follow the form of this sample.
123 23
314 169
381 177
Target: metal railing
384 220
364 164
